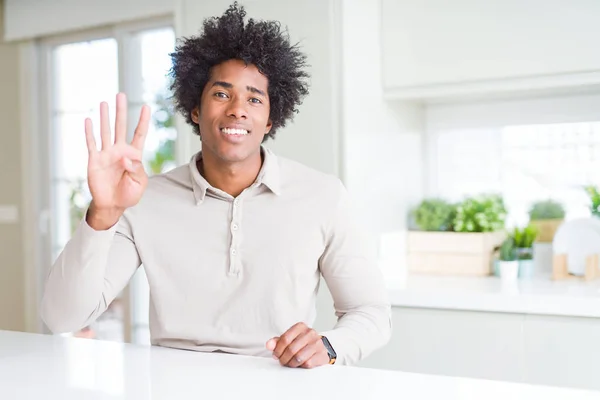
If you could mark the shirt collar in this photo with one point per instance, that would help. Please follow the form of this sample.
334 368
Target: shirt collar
268 175
199 184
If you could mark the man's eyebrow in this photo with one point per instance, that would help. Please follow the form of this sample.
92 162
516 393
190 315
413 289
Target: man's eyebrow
255 90
226 85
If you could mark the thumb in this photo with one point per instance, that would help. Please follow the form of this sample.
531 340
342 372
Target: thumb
135 171
127 164
134 167
272 343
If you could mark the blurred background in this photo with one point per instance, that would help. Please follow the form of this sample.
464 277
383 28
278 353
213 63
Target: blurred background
467 132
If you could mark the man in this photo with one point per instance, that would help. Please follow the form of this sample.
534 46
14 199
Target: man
234 243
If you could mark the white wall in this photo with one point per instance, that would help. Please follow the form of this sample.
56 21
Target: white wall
12 274
383 143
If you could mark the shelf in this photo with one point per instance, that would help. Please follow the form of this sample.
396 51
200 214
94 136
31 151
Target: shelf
538 296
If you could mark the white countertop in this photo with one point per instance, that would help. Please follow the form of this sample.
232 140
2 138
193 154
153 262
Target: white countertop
53 367
540 295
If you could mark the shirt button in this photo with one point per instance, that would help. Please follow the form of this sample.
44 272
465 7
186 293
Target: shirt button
233 252
234 227
235 203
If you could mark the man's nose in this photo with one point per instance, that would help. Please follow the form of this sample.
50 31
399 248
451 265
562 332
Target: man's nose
237 108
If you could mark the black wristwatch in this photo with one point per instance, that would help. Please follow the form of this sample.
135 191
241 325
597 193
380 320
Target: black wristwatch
330 351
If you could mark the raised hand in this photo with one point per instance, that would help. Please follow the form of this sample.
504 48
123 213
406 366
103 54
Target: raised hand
116 176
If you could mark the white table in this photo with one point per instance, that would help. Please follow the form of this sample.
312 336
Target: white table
52 367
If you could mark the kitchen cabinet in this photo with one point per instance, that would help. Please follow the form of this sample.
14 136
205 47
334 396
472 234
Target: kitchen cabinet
563 351
436 48
536 349
455 343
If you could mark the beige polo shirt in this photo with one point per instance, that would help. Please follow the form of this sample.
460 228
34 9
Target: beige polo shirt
228 273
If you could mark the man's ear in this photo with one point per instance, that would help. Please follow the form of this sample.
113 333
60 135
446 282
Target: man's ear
196 115
269 126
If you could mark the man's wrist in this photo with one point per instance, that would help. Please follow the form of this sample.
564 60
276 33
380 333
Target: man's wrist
102 219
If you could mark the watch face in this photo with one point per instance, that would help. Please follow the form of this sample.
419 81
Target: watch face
330 350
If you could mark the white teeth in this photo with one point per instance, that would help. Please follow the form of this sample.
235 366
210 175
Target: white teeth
230 131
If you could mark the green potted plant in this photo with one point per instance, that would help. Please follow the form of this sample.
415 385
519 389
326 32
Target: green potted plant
546 216
594 196
485 213
508 264
456 239
523 241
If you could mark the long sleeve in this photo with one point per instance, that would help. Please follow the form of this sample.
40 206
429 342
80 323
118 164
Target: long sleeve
91 271
357 286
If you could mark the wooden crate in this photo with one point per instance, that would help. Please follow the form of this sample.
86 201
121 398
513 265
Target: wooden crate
452 253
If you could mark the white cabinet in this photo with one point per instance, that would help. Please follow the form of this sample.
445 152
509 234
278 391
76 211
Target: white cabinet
468 46
454 343
562 351
548 350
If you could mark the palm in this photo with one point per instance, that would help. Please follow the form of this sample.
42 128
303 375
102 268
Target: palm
110 183
116 177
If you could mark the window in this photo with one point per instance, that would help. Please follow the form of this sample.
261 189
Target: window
93 66
493 148
83 71
550 161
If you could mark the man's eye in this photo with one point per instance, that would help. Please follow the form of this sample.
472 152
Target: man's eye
255 100
221 95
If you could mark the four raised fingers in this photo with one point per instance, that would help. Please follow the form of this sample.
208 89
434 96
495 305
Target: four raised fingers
120 127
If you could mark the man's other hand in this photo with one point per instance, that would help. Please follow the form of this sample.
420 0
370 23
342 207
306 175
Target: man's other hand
299 346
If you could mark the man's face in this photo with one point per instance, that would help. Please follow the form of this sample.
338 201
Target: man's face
234 111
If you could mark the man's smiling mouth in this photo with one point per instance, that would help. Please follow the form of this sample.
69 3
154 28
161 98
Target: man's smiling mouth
234 131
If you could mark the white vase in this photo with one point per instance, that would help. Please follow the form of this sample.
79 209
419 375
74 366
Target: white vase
509 270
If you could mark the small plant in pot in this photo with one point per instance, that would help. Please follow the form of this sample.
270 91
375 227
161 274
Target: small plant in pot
594 196
508 264
546 216
523 242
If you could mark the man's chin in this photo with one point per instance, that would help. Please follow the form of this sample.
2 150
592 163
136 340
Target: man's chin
234 155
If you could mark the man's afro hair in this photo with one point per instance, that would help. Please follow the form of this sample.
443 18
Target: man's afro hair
262 43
